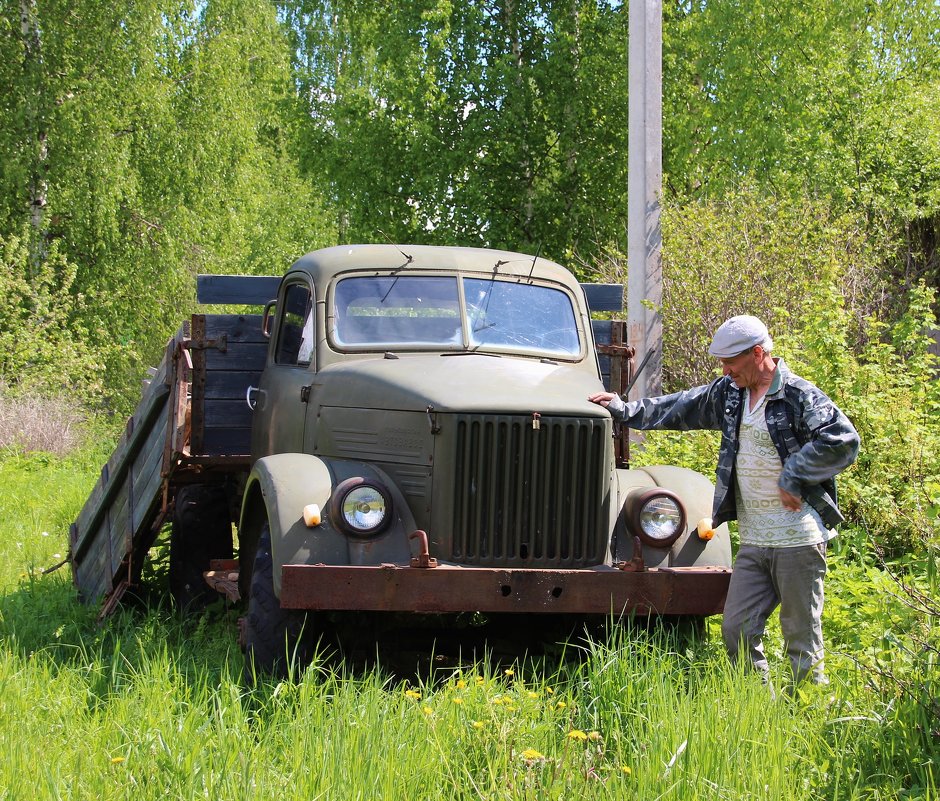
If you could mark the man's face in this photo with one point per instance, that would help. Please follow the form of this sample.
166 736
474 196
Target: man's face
743 368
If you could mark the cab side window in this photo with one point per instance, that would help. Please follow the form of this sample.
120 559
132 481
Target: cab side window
295 335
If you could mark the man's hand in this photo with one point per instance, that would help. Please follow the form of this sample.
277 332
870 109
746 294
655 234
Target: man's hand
603 398
610 401
790 501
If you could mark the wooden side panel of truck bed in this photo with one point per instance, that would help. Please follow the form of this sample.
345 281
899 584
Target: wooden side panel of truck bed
192 424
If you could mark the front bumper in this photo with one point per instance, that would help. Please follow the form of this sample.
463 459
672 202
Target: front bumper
442 589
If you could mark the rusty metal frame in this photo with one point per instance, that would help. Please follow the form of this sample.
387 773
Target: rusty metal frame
443 589
621 375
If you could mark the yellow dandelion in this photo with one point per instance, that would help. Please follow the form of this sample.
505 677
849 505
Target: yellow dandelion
530 754
561 705
532 694
480 680
412 694
511 707
458 700
577 734
594 735
117 760
427 710
461 684
509 672
477 724
549 690
626 770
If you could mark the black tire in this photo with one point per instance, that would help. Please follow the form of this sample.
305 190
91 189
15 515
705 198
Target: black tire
202 531
278 642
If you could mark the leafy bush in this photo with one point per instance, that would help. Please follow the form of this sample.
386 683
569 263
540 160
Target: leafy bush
818 281
890 391
42 345
764 255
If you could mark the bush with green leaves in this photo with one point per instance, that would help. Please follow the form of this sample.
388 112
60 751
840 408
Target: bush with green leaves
820 282
43 346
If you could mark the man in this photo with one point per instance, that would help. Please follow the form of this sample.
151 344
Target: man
782 444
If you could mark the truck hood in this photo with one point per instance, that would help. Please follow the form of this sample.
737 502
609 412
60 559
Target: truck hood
468 383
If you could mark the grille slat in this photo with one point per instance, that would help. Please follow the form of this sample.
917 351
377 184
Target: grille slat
525 496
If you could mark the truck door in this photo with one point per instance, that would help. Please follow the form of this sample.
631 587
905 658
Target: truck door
281 402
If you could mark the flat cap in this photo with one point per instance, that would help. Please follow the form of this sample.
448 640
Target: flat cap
736 334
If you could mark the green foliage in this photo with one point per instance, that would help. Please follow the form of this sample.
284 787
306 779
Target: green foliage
468 123
767 255
43 346
815 277
156 141
833 99
890 392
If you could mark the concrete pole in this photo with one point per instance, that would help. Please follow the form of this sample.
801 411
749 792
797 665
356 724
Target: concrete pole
644 237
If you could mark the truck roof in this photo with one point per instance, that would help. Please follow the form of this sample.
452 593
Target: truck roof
328 262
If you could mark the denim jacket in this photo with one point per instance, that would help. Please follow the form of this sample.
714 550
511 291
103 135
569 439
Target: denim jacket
814 439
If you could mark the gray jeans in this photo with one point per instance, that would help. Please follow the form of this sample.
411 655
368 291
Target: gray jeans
791 578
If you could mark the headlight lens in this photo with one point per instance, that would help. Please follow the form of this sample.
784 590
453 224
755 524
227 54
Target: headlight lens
656 516
361 507
661 518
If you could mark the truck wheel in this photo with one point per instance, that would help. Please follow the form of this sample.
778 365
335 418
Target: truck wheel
202 530
276 640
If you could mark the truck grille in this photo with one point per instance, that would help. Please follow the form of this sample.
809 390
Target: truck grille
525 496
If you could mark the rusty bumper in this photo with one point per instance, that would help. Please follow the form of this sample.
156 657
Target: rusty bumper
662 591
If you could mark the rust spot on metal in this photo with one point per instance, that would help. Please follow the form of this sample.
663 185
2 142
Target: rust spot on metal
224 582
424 559
601 590
636 563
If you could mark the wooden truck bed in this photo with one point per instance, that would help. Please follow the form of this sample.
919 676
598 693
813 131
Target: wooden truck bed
193 424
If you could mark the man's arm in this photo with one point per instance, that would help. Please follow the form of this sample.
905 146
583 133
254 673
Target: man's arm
832 445
696 408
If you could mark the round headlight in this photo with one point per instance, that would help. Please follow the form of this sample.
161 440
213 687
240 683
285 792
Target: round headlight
360 507
657 517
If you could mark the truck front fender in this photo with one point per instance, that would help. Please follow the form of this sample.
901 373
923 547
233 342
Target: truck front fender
696 493
279 487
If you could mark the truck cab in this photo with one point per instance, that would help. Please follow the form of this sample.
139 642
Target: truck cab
422 442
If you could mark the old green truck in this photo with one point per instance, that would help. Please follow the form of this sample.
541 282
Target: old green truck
402 429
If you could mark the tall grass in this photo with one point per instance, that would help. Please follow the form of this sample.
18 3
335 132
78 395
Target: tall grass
151 705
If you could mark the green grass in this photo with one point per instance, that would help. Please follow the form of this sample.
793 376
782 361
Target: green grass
150 705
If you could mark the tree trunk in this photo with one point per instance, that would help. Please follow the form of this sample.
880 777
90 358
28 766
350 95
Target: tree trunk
35 133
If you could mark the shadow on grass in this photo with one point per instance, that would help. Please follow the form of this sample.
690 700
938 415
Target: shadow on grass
44 615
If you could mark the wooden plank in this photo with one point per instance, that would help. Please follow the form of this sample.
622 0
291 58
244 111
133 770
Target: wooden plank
227 442
249 290
601 330
238 356
103 494
239 327
118 526
231 385
256 290
96 560
146 477
93 575
604 297
227 414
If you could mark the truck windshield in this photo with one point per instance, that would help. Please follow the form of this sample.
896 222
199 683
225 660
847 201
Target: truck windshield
424 313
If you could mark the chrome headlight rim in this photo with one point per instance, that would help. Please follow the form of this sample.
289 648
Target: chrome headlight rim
347 490
641 502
